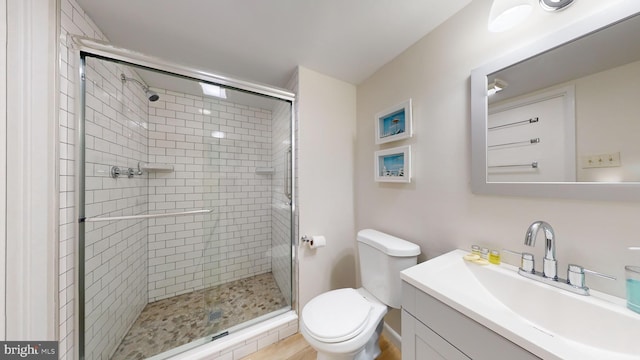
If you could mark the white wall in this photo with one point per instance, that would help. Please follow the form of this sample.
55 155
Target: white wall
606 110
3 164
437 210
326 121
31 176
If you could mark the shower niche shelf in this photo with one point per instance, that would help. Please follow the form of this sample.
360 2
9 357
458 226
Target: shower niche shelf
155 167
265 171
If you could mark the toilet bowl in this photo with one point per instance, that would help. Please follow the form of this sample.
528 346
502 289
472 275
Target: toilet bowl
343 324
346 324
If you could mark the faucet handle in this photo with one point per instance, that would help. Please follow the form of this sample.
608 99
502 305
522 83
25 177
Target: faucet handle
527 262
575 275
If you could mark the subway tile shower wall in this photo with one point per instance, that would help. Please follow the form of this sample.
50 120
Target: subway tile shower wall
215 147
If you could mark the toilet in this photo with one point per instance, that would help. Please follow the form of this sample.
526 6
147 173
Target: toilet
346 323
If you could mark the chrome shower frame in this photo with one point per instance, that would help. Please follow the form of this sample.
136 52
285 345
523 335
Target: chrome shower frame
83 47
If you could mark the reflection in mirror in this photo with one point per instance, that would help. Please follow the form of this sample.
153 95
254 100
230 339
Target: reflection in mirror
532 138
585 97
562 111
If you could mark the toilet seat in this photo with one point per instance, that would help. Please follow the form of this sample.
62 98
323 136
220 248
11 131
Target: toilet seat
336 316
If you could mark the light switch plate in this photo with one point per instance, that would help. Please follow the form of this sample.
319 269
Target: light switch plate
601 160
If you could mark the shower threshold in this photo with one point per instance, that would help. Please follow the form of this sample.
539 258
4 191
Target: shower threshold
191 319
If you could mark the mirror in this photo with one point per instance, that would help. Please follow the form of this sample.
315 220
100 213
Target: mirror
559 118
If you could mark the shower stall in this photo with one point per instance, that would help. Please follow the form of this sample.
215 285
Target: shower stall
184 203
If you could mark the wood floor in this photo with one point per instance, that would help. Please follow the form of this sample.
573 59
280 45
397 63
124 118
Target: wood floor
296 348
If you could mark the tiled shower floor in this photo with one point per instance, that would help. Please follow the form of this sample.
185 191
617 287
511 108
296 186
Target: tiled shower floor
168 323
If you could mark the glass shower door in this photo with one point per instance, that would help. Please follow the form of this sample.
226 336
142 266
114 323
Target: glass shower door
113 238
186 211
248 260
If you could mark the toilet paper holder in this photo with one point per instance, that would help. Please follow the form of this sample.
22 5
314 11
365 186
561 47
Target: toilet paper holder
314 242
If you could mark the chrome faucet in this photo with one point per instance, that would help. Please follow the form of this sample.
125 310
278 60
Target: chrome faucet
549 263
575 273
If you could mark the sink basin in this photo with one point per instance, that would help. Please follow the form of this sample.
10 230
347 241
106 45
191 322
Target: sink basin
549 322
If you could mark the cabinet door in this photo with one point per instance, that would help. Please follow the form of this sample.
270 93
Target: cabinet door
420 343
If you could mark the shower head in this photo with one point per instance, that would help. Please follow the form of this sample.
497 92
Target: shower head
151 95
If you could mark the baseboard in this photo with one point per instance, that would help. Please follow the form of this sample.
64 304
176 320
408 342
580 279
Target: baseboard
392 335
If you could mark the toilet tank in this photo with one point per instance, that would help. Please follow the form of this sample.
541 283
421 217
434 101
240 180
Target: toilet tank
382 257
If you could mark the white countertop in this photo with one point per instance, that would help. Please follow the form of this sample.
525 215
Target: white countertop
456 283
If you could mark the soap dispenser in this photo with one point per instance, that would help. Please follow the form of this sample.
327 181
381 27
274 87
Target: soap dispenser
633 285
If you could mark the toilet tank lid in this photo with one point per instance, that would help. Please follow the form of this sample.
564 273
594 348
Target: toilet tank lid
388 244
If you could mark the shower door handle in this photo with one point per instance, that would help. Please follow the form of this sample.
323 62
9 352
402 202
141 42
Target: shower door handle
287 175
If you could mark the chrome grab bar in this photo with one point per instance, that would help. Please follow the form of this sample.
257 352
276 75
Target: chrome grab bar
530 141
148 216
532 165
287 175
528 121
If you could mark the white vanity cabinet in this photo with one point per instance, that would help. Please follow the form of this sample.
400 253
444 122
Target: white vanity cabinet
433 330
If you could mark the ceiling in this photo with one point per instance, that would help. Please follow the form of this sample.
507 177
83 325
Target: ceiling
264 41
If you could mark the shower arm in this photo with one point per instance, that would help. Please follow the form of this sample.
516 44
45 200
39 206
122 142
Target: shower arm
124 79
151 95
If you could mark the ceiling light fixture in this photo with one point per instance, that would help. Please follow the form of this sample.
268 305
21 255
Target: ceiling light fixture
506 14
555 5
496 86
213 90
